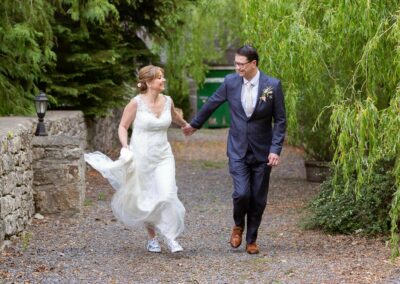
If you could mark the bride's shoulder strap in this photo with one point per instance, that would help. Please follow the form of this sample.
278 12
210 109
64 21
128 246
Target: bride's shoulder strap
138 100
168 99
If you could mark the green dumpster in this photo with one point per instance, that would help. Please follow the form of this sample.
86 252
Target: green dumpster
214 78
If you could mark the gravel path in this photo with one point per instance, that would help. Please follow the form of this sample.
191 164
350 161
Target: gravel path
94 248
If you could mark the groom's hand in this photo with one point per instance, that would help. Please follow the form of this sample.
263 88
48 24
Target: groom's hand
188 130
273 159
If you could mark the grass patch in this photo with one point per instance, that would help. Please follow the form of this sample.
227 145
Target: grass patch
101 196
88 202
26 240
211 165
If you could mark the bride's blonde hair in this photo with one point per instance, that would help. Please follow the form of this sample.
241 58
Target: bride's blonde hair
147 74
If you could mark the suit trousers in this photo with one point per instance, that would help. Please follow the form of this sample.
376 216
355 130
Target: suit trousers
250 181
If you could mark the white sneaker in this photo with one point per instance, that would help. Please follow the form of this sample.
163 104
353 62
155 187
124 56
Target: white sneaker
153 245
174 246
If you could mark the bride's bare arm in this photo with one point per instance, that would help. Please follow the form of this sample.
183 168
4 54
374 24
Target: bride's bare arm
176 117
128 116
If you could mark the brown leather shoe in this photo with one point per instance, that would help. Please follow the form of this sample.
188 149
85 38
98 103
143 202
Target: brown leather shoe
236 237
252 248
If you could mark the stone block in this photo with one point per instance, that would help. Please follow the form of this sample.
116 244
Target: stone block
10 224
2 233
17 160
29 157
2 186
57 177
38 153
9 183
52 174
14 144
18 197
27 178
102 131
66 201
28 204
20 223
19 176
25 189
1 168
4 145
7 206
26 141
8 163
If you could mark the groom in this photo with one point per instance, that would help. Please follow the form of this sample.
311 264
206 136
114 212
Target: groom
256 135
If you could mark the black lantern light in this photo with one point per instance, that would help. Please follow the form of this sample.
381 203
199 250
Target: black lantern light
41 103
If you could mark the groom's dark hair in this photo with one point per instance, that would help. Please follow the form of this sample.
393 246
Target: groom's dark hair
249 52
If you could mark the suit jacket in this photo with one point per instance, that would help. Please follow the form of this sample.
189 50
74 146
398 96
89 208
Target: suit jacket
263 131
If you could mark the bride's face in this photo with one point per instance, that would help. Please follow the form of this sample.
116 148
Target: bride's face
158 83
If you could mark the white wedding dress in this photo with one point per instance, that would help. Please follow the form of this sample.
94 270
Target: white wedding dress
144 175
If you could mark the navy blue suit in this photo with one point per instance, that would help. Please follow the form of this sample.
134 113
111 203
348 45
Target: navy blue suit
250 141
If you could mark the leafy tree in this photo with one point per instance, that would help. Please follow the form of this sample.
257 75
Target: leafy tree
340 60
99 51
25 50
317 48
82 53
198 37
365 122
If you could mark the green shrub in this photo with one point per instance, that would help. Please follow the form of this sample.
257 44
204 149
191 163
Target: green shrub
345 211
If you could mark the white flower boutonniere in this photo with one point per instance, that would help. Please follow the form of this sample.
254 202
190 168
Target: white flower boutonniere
267 93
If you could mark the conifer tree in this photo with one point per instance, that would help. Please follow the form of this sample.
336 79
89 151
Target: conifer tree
81 53
99 52
25 51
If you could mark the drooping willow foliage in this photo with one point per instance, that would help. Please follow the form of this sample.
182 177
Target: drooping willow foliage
315 47
367 138
293 51
208 29
365 126
339 63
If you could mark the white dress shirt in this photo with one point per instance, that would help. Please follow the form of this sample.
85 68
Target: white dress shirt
254 81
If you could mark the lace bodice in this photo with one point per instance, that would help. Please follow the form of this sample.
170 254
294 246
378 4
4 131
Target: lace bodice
146 120
149 136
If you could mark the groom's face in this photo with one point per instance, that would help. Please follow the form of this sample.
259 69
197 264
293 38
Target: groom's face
244 67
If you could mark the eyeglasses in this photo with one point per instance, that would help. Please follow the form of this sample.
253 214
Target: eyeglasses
240 65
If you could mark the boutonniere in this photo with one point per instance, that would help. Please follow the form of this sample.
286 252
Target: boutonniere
267 93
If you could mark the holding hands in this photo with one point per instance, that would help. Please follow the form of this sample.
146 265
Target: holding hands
188 130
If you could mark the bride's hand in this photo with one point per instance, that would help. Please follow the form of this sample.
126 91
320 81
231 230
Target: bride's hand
125 154
188 129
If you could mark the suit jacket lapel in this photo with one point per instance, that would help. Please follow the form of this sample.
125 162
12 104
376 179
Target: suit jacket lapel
262 84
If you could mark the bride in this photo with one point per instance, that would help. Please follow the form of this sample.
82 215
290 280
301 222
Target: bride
144 174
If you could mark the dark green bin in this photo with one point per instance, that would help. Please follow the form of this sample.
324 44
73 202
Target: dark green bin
214 78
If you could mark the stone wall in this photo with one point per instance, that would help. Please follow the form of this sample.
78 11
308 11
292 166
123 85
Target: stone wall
58 175
16 194
17 204
103 132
